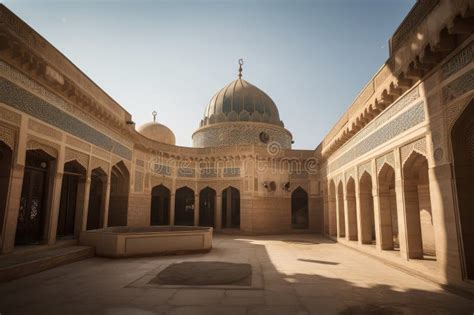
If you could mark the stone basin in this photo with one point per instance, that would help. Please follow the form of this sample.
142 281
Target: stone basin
124 241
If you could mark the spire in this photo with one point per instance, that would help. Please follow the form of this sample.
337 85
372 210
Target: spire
241 62
154 113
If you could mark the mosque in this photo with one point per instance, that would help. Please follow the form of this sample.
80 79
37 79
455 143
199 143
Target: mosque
392 178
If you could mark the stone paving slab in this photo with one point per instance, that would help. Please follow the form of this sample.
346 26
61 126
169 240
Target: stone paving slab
301 274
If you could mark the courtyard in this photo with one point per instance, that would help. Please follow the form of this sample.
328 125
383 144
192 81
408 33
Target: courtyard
291 274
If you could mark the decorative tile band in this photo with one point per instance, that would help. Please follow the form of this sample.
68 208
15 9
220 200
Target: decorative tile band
458 62
232 172
186 172
162 169
30 104
208 172
405 121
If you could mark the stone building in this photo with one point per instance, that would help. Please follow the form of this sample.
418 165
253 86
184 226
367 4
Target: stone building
392 178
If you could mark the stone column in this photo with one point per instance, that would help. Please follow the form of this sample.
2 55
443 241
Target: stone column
229 208
375 200
386 231
196 210
105 210
448 252
358 207
401 211
85 208
346 211
12 208
338 220
172 207
55 198
218 213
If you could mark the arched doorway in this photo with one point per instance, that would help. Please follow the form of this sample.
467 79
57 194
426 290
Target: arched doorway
73 182
96 199
119 190
231 208
462 138
367 217
351 209
299 209
184 206
388 208
5 169
207 206
340 210
160 205
332 209
420 232
35 193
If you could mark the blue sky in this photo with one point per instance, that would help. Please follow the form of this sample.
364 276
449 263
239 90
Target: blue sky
311 57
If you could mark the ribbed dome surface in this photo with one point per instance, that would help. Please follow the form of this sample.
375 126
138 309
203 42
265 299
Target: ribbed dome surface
241 101
157 132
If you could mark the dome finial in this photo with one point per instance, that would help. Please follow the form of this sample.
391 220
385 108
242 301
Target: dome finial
241 62
154 113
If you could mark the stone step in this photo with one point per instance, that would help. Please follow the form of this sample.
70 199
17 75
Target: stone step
17 265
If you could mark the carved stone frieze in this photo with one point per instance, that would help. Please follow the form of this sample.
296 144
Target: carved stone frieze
81 158
388 158
417 146
44 130
45 146
8 136
366 167
98 163
458 87
9 116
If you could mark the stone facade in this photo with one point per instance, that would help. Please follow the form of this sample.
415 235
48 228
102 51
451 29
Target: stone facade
385 175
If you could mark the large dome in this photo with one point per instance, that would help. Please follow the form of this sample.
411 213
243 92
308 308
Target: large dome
157 132
241 101
241 114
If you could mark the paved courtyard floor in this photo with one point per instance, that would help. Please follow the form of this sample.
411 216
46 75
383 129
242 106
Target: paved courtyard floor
299 274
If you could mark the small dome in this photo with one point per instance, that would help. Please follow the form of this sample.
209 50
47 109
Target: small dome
241 101
157 132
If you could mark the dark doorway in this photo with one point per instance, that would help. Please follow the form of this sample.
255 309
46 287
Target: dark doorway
160 205
299 209
463 150
207 205
184 206
231 208
119 189
34 197
96 199
73 178
5 169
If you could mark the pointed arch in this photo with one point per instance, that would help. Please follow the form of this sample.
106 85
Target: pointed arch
419 221
299 209
160 205
207 206
96 207
119 193
231 208
184 206
388 208
462 139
